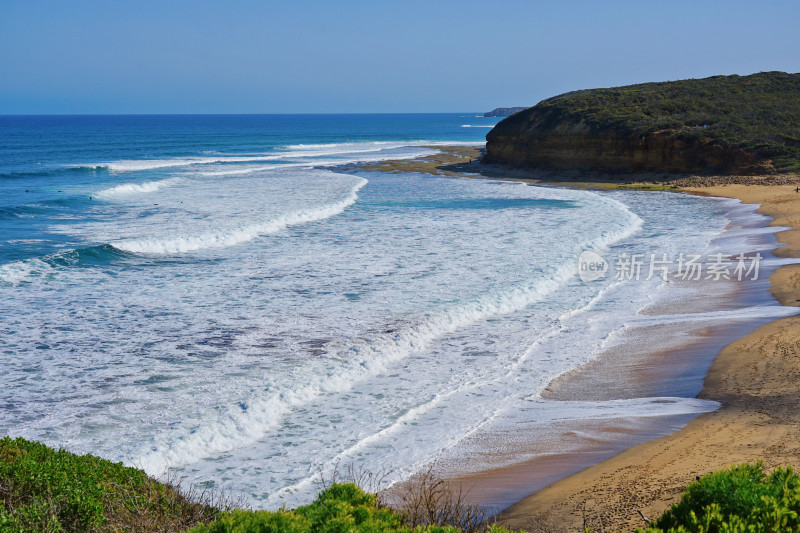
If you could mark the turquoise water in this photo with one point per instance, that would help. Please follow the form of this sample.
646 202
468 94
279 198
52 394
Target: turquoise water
218 296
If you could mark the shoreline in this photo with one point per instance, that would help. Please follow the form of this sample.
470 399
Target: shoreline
649 475
754 379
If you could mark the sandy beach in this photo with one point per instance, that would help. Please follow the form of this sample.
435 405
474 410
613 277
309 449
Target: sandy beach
754 379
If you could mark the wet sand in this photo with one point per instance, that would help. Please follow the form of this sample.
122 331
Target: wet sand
536 456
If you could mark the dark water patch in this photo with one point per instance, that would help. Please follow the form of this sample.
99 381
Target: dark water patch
316 347
54 171
221 340
64 199
20 211
102 254
479 353
153 380
65 205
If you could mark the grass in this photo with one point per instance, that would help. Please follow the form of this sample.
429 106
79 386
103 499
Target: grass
44 490
47 490
759 113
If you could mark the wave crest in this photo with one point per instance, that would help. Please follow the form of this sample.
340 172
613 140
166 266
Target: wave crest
240 234
137 188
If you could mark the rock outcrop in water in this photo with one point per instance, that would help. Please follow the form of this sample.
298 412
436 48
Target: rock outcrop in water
723 124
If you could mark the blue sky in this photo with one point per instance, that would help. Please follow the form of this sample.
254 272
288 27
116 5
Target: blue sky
352 56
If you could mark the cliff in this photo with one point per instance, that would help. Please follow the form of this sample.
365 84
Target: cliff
503 111
722 124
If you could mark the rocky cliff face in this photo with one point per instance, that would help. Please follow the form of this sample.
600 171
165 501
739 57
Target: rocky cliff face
547 138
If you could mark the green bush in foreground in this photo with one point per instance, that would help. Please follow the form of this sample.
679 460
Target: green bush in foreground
47 490
341 508
44 490
741 499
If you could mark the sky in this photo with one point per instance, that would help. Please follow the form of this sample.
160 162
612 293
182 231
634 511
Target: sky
241 56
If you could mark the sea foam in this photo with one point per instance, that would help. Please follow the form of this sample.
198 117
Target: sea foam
137 188
358 361
347 152
239 234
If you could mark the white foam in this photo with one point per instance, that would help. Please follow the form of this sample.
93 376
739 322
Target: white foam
344 147
290 152
362 157
379 145
152 164
25 271
357 361
239 234
137 188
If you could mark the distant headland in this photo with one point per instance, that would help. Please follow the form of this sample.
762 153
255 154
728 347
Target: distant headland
722 125
503 111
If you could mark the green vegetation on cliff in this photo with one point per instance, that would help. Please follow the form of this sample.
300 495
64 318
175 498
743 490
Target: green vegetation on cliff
759 114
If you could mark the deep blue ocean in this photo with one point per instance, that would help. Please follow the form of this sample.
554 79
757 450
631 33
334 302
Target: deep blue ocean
219 296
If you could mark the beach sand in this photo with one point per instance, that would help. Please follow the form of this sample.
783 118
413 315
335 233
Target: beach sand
756 381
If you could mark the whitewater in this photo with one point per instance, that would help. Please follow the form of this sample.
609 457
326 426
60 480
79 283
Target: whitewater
234 301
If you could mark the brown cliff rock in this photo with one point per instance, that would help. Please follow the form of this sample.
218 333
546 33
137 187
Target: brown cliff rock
574 145
718 125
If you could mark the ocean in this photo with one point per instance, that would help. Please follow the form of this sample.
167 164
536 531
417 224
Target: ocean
230 299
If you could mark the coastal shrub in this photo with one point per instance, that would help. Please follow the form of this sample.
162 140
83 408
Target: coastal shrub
257 522
341 508
47 490
742 498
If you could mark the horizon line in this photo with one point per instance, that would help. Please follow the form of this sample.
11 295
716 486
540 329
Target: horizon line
238 114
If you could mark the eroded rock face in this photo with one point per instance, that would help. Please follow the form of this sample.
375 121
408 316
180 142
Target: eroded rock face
546 139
